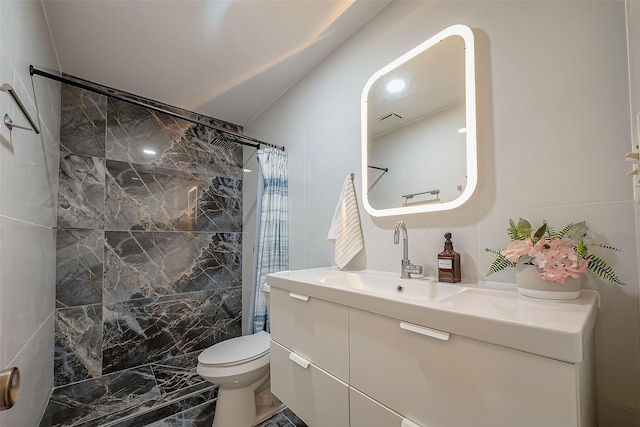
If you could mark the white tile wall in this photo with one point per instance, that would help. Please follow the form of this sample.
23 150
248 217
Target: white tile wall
36 366
28 199
553 113
633 35
26 268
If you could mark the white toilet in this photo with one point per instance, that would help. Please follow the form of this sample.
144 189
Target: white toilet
240 368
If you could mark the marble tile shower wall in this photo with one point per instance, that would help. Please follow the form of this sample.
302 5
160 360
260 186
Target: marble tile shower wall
148 244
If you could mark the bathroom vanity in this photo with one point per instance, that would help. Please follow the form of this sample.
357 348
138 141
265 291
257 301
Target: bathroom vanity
368 349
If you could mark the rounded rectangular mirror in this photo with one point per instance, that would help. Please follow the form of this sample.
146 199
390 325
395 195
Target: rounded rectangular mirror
418 118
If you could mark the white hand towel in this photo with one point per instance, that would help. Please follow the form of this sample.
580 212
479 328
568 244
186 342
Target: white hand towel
345 227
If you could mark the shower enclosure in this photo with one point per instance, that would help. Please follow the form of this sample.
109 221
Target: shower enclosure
149 259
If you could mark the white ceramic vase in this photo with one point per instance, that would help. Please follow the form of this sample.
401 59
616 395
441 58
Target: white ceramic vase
529 284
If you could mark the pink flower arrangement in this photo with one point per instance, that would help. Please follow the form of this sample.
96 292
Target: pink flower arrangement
557 254
557 259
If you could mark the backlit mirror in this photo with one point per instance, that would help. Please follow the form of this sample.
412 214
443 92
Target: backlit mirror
419 128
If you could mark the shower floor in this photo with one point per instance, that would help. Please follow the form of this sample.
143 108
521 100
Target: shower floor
162 415
284 418
155 395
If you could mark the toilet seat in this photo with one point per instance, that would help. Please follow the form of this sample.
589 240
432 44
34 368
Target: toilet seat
236 351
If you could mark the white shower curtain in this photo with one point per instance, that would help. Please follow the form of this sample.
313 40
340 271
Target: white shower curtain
272 235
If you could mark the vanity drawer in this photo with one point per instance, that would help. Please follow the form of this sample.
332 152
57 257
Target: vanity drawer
443 380
366 412
317 397
315 329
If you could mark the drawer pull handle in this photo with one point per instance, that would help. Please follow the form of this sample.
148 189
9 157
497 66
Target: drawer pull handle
433 333
299 360
408 423
299 296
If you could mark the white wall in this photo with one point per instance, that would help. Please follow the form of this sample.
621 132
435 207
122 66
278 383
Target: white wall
633 38
28 199
553 114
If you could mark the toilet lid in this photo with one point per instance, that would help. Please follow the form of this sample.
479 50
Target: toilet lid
236 350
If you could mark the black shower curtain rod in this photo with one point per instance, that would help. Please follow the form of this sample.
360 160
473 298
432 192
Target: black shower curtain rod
255 143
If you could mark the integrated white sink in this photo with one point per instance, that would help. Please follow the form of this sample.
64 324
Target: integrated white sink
386 286
484 311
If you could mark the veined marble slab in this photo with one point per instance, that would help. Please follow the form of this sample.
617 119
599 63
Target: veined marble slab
79 265
83 122
78 344
142 136
148 264
81 192
85 401
149 198
150 330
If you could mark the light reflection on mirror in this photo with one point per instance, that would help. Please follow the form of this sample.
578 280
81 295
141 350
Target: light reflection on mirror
419 128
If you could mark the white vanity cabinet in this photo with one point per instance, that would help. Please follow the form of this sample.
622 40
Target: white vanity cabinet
310 357
445 380
342 358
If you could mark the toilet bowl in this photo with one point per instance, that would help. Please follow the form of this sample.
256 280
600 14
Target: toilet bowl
240 368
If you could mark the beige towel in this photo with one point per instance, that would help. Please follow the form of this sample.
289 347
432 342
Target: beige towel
345 227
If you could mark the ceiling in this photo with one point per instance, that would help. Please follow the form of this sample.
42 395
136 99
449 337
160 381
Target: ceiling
226 59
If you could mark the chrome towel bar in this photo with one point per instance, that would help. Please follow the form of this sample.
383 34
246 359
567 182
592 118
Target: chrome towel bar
6 87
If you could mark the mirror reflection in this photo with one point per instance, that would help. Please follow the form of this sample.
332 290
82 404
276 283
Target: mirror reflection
418 126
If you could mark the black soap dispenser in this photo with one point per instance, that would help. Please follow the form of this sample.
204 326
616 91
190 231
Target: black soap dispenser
449 262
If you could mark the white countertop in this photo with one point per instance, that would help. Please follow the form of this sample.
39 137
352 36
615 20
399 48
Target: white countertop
487 311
